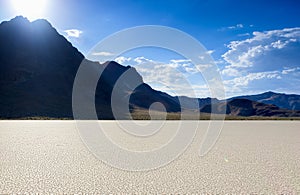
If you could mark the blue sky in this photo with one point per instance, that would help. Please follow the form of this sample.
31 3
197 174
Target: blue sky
255 44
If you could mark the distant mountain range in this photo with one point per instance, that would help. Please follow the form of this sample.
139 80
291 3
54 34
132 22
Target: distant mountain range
38 67
291 102
246 107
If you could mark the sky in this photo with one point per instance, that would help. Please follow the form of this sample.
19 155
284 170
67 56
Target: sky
255 44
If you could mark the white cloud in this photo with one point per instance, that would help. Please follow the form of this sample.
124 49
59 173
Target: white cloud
203 67
103 53
249 52
73 33
173 76
186 66
181 61
279 44
260 62
142 59
162 75
244 80
122 60
232 72
244 34
210 52
290 70
236 26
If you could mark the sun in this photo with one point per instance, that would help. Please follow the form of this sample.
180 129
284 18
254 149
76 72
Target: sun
32 9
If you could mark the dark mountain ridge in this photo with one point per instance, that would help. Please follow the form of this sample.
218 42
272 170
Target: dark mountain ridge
285 101
246 107
38 67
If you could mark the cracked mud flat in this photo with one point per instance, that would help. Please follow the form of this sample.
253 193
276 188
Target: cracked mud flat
250 157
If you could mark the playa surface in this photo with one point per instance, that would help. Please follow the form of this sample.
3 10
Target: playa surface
250 157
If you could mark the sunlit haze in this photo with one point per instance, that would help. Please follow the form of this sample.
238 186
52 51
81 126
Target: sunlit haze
32 9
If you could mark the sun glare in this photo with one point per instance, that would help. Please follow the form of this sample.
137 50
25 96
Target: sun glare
32 9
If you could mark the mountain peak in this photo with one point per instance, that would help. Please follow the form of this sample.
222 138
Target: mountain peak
22 21
20 18
22 26
42 22
270 93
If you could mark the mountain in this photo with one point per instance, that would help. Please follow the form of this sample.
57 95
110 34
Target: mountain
38 67
285 101
246 107
189 103
129 89
37 71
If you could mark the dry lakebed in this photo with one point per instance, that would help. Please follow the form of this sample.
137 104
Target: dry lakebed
249 157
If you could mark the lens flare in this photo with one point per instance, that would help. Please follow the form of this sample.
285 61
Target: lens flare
32 9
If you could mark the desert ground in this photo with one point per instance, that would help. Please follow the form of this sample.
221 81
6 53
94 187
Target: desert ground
250 157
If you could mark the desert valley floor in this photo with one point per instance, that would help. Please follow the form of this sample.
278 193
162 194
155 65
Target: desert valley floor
250 157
